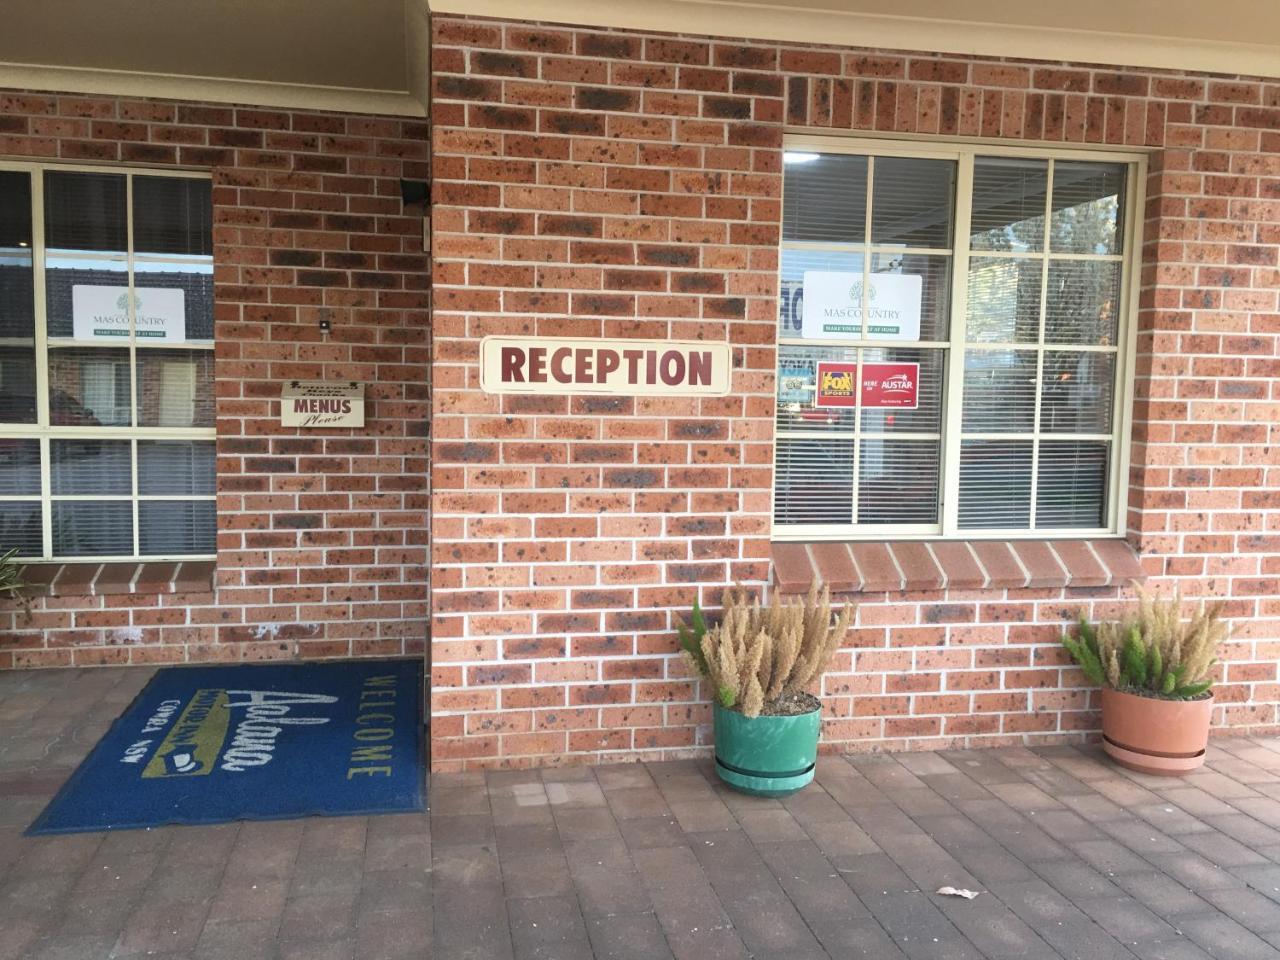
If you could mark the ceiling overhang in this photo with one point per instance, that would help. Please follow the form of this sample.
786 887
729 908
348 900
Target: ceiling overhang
1233 37
369 56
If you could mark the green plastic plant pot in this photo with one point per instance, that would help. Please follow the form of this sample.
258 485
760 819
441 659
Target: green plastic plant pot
766 756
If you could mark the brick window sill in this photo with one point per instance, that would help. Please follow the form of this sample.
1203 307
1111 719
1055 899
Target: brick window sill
106 579
900 566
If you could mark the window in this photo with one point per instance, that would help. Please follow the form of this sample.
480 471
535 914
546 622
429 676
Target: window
106 364
952 341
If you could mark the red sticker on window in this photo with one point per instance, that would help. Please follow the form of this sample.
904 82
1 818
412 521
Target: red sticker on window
883 385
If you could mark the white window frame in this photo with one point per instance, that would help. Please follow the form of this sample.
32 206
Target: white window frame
45 432
963 153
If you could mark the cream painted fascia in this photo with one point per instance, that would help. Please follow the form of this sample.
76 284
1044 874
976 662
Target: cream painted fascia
398 103
816 25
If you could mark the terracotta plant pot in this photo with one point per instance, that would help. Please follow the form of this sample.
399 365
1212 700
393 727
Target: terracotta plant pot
1163 737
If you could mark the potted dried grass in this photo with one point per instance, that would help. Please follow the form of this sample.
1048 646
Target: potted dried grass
761 663
1154 670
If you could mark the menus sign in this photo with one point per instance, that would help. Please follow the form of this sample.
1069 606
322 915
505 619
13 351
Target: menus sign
893 385
320 403
102 313
833 306
672 368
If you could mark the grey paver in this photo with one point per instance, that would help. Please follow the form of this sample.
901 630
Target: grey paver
1074 860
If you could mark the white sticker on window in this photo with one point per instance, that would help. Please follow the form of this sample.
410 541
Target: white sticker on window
102 313
833 306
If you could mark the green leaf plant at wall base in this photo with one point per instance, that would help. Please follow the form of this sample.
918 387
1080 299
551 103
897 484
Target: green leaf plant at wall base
1155 652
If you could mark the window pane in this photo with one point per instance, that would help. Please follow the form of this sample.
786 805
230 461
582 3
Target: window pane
92 528
879 365
824 197
995 484
1087 200
1076 396
175 467
1008 204
1071 489
172 215
17 384
912 201
1004 301
175 300
87 298
797 379
814 481
17 298
88 387
85 211
88 467
175 388
905 287
999 391
823 270
176 527
898 481
1083 304
20 527
19 469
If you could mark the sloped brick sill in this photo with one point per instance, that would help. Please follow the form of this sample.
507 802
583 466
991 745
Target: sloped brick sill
105 579
900 566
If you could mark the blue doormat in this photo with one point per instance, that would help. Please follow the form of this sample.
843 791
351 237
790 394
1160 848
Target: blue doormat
260 742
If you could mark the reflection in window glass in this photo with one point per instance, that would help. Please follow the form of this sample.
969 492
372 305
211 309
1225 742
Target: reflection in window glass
172 215
1087 200
909 285
87 467
1004 301
1083 302
20 527
999 391
1008 204
912 202
1076 392
85 211
175 467
824 197
163 314
19 469
175 388
174 527
92 528
87 298
89 387
1071 484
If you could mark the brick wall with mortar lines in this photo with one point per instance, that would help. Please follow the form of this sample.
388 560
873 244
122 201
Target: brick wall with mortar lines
601 183
321 533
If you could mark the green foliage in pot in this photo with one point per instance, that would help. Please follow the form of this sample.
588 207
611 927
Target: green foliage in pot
1156 652
756 657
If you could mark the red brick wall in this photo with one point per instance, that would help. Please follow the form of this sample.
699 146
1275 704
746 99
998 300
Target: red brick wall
321 533
595 183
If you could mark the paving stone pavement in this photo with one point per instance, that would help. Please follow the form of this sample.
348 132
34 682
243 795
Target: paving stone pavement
1074 858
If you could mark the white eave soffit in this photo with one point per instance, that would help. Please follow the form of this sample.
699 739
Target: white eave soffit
367 57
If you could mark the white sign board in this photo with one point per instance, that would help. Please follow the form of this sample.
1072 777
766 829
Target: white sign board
669 368
321 403
102 313
833 306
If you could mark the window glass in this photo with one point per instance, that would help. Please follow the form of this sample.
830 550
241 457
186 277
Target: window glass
85 211
117 456
912 202
17 301
868 343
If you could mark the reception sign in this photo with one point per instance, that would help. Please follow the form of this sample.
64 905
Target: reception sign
672 368
833 306
884 385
